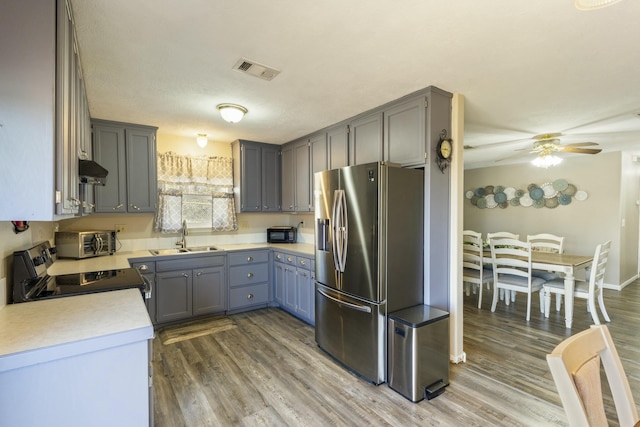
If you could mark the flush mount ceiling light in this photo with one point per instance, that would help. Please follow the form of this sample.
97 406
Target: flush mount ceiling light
546 161
232 113
202 140
593 4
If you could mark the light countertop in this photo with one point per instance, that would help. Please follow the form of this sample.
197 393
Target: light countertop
121 260
41 331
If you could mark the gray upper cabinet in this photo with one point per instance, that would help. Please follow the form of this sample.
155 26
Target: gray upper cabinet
128 152
338 146
44 112
256 176
300 160
404 135
412 124
365 139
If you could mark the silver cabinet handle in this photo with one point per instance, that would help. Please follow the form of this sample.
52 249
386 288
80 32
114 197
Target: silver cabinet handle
199 273
265 207
249 296
118 206
143 267
249 259
289 259
250 275
185 275
135 207
279 256
302 262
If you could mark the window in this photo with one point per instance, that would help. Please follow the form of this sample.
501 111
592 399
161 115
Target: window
196 189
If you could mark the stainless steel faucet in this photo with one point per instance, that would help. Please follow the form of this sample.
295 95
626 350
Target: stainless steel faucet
183 236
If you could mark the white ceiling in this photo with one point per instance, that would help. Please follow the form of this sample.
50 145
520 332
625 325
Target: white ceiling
524 67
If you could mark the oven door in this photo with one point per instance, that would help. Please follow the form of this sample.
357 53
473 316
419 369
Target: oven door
95 244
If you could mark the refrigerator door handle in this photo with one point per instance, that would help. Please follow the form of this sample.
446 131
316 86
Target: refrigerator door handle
340 230
363 308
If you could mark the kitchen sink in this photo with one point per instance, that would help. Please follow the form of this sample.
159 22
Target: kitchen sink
174 251
202 249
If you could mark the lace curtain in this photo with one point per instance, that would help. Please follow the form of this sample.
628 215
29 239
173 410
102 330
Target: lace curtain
196 189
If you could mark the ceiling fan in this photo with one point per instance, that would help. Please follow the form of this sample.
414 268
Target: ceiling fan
546 145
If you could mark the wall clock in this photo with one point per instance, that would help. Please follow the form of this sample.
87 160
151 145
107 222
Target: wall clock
444 150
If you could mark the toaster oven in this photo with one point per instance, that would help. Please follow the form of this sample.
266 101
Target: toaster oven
85 244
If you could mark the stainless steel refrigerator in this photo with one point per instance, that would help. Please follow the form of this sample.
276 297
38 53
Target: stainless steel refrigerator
369 259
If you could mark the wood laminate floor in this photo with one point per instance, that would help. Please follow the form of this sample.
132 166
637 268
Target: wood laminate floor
264 368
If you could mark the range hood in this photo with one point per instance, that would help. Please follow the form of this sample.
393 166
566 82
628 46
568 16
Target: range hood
92 173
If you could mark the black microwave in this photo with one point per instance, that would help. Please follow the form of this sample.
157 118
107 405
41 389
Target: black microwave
281 234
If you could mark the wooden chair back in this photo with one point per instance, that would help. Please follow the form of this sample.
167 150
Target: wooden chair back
575 366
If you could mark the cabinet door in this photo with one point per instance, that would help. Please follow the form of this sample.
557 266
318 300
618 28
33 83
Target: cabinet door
404 131
302 177
288 181
109 152
318 160
290 298
251 172
173 295
142 184
338 147
304 288
279 282
209 290
270 181
365 144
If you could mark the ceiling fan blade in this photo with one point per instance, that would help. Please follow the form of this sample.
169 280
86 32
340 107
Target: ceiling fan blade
545 136
580 144
566 149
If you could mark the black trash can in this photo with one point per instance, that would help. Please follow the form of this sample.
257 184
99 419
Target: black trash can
418 352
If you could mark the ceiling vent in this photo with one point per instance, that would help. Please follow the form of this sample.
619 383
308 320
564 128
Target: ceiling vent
256 69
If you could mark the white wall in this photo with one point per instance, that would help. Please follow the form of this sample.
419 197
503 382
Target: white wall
611 189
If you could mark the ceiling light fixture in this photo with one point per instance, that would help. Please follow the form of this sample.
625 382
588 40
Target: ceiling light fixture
202 140
593 4
546 161
232 113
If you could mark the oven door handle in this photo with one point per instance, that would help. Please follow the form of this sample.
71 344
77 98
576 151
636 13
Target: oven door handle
148 288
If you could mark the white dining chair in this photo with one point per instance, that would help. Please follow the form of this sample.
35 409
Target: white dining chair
512 270
546 242
575 366
504 235
473 271
589 290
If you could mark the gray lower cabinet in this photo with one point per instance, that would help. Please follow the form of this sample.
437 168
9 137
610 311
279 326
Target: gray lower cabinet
249 282
294 285
128 153
189 287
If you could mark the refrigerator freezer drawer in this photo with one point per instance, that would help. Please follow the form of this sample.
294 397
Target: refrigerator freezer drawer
352 331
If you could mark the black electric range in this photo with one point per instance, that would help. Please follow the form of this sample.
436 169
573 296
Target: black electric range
31 281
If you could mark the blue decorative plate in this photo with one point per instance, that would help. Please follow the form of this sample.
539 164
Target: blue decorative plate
560 184
479 191
564 199
536 193
500 197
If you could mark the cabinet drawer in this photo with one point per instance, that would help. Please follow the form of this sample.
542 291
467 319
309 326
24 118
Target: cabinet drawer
286 258
306 263
188 262
248 295
249 257
248 274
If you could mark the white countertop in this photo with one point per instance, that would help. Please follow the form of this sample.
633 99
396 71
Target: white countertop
120 260
41 331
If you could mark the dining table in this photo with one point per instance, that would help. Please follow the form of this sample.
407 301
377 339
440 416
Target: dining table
565 264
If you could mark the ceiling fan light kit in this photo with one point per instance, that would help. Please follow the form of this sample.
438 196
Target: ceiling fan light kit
593 4
232 113
545 161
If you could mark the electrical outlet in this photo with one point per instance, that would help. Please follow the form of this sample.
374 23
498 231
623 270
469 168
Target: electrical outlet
119 228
